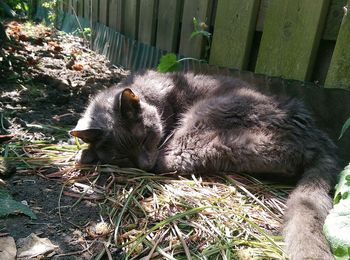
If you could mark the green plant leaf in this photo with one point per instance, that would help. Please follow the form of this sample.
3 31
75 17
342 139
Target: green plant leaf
9 206
337 224
201 32
345 127
337 229
343 187
168 63
195 23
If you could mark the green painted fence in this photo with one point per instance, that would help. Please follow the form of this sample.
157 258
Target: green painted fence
294 39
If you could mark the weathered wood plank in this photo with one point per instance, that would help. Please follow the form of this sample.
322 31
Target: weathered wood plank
94 10
87 9
214 4
115 15
198 9
80 8
71 6
261 16
131 12
59 6
339 71
147 22
103 12
64 5
68 6
75 7
333 20
233 33
168 24
291 36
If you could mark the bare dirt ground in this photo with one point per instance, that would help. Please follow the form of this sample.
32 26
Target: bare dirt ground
46 79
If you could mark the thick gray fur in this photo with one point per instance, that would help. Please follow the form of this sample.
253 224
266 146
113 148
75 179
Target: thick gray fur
184 122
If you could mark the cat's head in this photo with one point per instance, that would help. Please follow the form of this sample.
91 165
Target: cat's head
121 129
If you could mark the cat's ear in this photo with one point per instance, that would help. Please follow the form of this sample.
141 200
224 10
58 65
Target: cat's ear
87 135
129 104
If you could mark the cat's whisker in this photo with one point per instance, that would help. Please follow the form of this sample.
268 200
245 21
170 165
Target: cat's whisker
166 140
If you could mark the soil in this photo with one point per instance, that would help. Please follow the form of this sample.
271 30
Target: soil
46 79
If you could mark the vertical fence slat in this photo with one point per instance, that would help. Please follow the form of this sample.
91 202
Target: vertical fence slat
94 10
75 7
103 12
147 22
292 31
87 9
334 18
339 71
80 8
115 15
261 14
69 6
168 24
233 33
65 4
131 8
198 9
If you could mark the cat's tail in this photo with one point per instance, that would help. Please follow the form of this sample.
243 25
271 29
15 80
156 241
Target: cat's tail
307 208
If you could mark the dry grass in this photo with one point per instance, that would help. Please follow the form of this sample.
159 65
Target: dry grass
150 216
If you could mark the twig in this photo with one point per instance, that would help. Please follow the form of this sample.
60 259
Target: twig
75 252
84 193
109 255
59 202
81 28
179 235
159 237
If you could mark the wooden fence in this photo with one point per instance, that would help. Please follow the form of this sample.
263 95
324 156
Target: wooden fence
296 39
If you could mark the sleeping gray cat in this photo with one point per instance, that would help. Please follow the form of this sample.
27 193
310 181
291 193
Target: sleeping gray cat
185 123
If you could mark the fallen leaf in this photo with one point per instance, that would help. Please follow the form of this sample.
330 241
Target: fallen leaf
70 63
33 246
13 23
39 41
98 229
52 43
22 37
31 61
78 67
10 206
8 248
75 52
4 138
57 48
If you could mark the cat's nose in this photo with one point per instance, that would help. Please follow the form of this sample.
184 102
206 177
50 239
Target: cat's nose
146 160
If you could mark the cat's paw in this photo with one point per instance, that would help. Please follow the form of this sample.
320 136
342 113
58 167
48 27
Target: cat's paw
175 161
85 156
